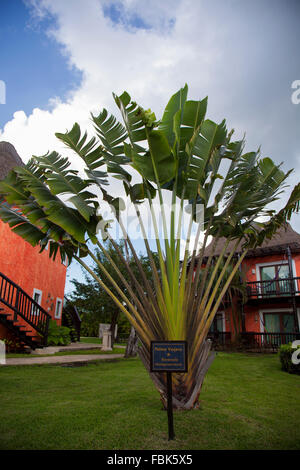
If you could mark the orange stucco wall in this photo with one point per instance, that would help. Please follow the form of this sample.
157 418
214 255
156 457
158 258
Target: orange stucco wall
30 269
252 318
249 264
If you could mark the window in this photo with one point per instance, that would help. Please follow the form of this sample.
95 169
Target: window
275 279
37 297
217 324
279 325
58 308
279 322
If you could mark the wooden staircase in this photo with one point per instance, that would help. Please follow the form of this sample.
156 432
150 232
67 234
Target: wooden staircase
21 315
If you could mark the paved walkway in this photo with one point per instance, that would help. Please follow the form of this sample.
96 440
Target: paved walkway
74 358
78 346
70 359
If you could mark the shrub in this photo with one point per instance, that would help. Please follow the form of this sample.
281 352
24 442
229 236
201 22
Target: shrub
12 345
285 354
58 335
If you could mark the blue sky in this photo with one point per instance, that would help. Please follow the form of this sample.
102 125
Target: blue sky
34 69
60 63
116 12
32 65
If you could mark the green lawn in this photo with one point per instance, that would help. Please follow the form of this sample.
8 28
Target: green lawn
92 339
247 402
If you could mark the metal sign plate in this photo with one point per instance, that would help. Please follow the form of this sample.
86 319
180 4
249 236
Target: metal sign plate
168 356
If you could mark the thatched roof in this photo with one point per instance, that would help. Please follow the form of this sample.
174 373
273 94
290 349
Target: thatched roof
9 158
285 236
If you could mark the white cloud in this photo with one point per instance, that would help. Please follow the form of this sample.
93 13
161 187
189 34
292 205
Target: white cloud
231 53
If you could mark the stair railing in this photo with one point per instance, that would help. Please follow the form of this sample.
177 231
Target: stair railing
24 306
71 309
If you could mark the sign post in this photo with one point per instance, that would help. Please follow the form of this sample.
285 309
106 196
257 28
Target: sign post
170 407
169 356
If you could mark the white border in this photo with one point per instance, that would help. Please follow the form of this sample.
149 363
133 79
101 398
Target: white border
36 291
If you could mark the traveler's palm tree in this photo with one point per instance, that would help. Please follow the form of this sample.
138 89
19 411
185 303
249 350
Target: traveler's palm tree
186 155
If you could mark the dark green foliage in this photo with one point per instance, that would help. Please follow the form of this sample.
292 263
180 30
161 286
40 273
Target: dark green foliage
58 335
285 354
73 332
12 345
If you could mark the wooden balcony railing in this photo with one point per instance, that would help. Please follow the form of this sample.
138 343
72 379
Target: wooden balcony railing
253 341
275 288
220 339
261 341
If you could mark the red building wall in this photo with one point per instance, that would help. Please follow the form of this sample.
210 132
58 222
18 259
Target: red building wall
249 264
252 312
28 268
252 317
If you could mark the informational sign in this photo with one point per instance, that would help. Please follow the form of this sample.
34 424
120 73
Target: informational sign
168 356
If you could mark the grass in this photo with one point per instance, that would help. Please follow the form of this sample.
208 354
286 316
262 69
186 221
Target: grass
92 339
247 402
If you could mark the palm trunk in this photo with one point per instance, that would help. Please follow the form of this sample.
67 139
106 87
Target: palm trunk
132 344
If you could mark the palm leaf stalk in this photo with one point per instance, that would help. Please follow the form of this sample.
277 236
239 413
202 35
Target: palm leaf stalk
180 155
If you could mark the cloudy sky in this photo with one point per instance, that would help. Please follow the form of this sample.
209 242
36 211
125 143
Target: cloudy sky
61 59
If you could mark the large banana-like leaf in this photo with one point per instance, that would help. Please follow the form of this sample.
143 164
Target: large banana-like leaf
38 231
92 155
112 135
157 165
87 150
21 225
14 193
205 158
62 180
171 120
134 120
55 209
